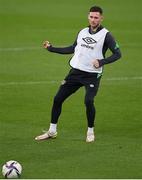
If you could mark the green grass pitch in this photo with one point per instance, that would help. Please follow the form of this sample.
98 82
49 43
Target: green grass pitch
30 77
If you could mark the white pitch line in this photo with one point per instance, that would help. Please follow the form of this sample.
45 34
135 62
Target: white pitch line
37 48
20 49
27 83
123 78
58 81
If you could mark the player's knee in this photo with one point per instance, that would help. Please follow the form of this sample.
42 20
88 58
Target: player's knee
57 100
89 102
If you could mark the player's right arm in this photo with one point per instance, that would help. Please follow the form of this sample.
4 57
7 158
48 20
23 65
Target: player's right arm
46 44
60 50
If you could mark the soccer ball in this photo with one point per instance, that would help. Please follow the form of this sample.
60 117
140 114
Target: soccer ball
12 169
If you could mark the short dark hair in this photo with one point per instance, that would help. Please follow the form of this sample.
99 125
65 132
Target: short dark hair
96 9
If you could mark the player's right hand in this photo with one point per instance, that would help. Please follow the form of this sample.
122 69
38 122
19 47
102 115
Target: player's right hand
46 44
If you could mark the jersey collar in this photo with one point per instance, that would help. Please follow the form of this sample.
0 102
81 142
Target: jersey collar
97 30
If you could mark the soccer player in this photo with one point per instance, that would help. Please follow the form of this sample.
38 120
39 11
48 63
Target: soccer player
87 63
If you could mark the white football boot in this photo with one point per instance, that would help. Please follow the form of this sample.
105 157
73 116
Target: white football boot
90 137
46 135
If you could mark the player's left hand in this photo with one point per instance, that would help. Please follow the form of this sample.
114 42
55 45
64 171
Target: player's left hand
96 63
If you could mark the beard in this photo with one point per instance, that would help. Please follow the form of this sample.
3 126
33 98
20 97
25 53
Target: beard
94 26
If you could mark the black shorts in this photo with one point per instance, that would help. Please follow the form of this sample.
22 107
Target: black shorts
77 78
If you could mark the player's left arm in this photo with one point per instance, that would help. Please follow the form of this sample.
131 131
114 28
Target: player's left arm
111 44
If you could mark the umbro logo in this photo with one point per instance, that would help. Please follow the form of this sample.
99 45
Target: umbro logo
89 40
